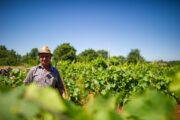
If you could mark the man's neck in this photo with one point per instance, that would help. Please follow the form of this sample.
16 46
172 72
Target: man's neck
47 67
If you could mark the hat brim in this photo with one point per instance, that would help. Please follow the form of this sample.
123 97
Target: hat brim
45 53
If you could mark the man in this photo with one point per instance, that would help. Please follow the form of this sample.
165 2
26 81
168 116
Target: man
45 74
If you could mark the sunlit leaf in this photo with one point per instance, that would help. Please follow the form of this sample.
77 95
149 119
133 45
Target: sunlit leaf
46 97
152 105
175 85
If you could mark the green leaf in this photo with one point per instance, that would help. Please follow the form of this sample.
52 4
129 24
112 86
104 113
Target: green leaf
175 85
152 105
103 108
47 97
13 105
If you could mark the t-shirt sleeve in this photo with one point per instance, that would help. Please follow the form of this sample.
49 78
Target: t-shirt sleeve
29 77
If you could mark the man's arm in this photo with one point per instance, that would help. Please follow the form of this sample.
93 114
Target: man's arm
29 77
60 85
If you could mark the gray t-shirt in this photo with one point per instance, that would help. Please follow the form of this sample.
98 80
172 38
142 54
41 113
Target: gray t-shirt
43 78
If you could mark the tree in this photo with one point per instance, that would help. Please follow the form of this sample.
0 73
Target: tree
134 56
3 51
34 53
103 53
64 52
122 58
88 55
8 57
31 58
116 60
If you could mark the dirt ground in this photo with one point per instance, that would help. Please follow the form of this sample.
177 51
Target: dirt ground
178 111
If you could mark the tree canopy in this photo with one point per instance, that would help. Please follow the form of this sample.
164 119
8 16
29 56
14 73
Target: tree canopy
8 57
88 55
67 52
31 58
103 53
64 52
134 56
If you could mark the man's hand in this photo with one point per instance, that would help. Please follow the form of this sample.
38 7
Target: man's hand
64 95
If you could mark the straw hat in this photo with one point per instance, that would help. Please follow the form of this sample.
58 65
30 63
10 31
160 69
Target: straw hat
44 49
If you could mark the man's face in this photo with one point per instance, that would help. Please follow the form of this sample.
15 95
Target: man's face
45 58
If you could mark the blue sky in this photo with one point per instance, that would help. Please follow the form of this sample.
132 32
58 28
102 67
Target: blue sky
152 26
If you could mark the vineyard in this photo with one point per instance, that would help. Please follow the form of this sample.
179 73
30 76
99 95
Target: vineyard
95 91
